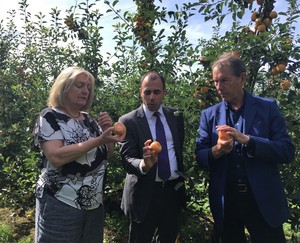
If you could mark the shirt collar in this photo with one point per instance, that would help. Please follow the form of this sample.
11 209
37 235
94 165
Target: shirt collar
149 113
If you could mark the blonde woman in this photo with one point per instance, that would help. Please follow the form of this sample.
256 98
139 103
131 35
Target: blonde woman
75 148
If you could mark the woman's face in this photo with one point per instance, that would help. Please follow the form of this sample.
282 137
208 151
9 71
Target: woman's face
78 95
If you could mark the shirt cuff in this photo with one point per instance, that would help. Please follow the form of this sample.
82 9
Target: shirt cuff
250 147
141 169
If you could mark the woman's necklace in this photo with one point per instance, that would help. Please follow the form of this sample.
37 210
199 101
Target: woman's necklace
75 117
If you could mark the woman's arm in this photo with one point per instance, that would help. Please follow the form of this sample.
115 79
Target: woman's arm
59 154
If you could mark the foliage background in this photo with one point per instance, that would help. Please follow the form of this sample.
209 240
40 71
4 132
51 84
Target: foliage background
31 57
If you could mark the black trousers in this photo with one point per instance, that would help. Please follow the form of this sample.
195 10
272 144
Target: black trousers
240 212
162 221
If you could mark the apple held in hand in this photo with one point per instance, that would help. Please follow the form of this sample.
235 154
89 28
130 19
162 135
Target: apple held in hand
119 128
156 147
223 135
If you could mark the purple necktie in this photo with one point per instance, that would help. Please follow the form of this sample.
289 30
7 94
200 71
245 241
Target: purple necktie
163 158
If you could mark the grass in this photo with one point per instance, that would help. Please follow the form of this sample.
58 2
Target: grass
6 233
18 227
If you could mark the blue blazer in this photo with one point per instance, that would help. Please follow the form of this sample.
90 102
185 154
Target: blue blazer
264 123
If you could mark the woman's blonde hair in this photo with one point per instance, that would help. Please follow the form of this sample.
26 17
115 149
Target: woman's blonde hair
63 83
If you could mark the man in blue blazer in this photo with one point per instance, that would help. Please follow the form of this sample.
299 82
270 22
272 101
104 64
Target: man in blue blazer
245 187
151 203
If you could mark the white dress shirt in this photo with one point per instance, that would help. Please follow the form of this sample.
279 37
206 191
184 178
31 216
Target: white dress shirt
170 142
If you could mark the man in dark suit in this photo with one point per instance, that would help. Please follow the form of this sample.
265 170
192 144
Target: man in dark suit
151 203
245 188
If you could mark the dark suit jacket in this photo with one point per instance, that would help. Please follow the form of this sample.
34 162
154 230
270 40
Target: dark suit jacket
264 123
138 188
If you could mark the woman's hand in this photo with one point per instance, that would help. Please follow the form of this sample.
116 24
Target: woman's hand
107 136
104 120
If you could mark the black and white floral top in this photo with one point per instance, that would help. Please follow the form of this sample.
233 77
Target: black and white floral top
80 182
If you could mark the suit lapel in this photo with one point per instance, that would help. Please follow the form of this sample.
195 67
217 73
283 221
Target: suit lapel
171 120
172 124
221 115
248 117
143 123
